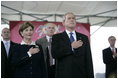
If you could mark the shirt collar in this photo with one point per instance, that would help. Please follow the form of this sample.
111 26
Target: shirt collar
48 37
112 48
32 43
4 41
68 32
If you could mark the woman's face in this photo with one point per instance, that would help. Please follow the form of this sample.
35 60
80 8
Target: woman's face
27 33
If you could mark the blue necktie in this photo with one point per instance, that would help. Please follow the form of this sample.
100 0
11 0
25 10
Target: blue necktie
71 37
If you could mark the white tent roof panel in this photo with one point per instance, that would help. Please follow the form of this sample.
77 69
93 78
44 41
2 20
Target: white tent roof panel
79 8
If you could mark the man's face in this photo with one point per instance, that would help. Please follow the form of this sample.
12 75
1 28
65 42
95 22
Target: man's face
112 41
5 34
69 21
50 29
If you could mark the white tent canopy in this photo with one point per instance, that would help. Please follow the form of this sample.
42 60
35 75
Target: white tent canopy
102 13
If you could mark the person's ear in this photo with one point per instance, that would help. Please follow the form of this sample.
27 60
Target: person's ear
63 23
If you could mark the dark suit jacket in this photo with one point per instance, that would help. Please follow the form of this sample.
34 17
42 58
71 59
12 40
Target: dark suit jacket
44 43
72 64
6 71
111 63
28 67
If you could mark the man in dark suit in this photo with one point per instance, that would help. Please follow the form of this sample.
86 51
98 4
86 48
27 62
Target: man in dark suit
72 51
6 54
45 42
110 58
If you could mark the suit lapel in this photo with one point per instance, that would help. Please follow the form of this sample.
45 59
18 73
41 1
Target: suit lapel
45 41
10 49
3 50
110 52
65 37
116 50
78 36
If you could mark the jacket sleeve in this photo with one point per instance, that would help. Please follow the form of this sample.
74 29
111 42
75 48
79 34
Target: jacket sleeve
20 56
107 58
43 65
89 62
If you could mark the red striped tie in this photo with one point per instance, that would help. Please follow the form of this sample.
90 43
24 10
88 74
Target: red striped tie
113 51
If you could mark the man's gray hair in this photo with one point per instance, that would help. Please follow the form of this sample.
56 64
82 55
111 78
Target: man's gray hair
111 37
64 17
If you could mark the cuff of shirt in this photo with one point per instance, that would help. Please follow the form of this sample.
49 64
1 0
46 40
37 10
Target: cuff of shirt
29 54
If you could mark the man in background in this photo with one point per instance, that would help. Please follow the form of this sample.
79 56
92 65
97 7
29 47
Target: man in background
45 42
110 58
6 54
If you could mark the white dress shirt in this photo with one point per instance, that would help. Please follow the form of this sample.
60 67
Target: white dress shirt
113 49
7 47
74 34
32 43
48 38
